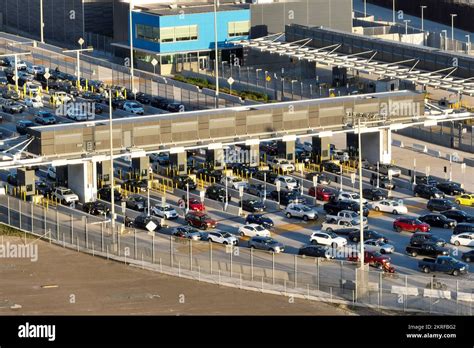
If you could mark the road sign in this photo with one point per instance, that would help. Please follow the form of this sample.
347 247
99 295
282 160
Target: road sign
47 75
124 207
278 185
241 191
315 180
269 78
202 194
353 178
80 41
151 226
154 62
230 81
14 78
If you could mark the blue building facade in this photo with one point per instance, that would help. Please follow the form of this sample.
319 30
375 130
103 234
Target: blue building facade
178 37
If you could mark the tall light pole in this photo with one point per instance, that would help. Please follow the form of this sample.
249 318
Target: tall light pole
365 8
361 208
111 173
78 52
15 73
423 7
132 77
394 11
41 21
452 26
216 52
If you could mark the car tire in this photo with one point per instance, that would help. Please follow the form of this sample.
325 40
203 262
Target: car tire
455 273
458 202
288 215
305 218
252 247
329 229
456 243
377 209
355 239
334 245
426 269
399 229
271 250
242 234
416 194
314 242
445 226
382 251
225 243
395 212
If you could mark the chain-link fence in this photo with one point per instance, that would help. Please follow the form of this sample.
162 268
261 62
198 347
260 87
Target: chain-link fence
281 273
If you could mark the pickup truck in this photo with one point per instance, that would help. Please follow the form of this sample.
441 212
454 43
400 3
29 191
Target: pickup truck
346 215
340 227
427 249
445 264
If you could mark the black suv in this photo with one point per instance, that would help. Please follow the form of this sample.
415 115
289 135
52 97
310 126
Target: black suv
287 197
206 174
23 125
181 182
142 220
368 234
450 188
419 238
105 194
335 207
458 215
253 206
217 193
331 167
427 249
374 194
266 174
438 220
440 204
427 180
427 191
464 228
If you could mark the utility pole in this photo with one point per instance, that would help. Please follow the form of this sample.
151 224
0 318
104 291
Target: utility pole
216 49
78 52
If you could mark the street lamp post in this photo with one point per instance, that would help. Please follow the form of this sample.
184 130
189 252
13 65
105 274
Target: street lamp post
292 89
393 2
256 75
78 52
445 39
406 25
41 21
452 26
132 77
468 47
361 209
111 173
216 52
365 8
15 55
423 7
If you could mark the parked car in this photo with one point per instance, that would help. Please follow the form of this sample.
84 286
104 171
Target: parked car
390 206
13 107
234 182
200 220
450 188
444 264
340 227
426 180
316 251
253 230
11 94
222 237
468 256
389 170
133 185
194 204
410 225
209 175
142 221
383 181
65 195
438 220
45 117
368 234
331 167
334 207
282 165
464 239
217 193
322 193
135 202
464 199
300 211
260 220
440 204
286 182
106 194
257 190
323 179
134 108
372 258
186 232
95 208
374 194
286 197
463 227
378 245
162 158
164 211
458 215
266 243
347 215
419 238
266 176
426 249
183 181
34 102
253 205
350 197
427 191
327 238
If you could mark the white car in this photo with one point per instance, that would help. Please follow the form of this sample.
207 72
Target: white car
34 102
20 65
390 206
341 156
350 197
327 238
282 164
63 97
133 107
234 181
464 239
378 245
51 173
222 238
65 195
287 182
32 88
300 211
253 230
165 212
35 69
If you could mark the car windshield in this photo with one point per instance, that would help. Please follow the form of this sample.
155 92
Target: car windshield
166 208
236 179
305 208
417 222
290 180
226 235
68 192
332 235
353 222
259 228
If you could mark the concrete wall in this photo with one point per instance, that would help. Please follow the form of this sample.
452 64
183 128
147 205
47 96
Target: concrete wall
82 179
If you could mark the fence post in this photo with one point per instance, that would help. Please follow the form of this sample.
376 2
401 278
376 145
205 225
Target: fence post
19 210
210 255
135 244
72 230
273 268
317 270
32 216
153 249
251 264
380 288
87 232
457 301
171 251
406 293
77 243
8 209
231 252
44 222
190 254
102 237
57 224
296 271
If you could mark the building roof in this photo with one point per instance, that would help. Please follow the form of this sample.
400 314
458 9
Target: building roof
166 10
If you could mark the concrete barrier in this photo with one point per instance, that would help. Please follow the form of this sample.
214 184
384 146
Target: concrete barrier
405 291
398 143
434 293
419 147
465 296
434 153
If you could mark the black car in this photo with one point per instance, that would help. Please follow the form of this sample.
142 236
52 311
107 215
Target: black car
136 202
440 204
335 207
256 190
244 169
12 179
105 194
217 193
419 238
23 125
450 188
322 178
95 208
383 181
142 98
117 103
368 234
374 194
142 220
11 94
174 107
287 197
427 191
315 251
253 206
135 185
159 103
259 219
43 188
267 175
427 249
209 175
427 180
95 97
183 181
12 107
468 256
331 167
458 215
438 220
464 227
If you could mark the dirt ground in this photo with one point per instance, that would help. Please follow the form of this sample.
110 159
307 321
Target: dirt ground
64 282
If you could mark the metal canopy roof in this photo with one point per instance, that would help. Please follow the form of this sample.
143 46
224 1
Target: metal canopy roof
439 79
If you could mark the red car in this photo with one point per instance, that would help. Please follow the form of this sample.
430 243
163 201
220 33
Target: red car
200 220
410 225
322 193
373 258
194 204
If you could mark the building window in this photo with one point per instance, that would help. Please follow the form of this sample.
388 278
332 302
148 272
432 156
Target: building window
241 28
147 33
181 33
